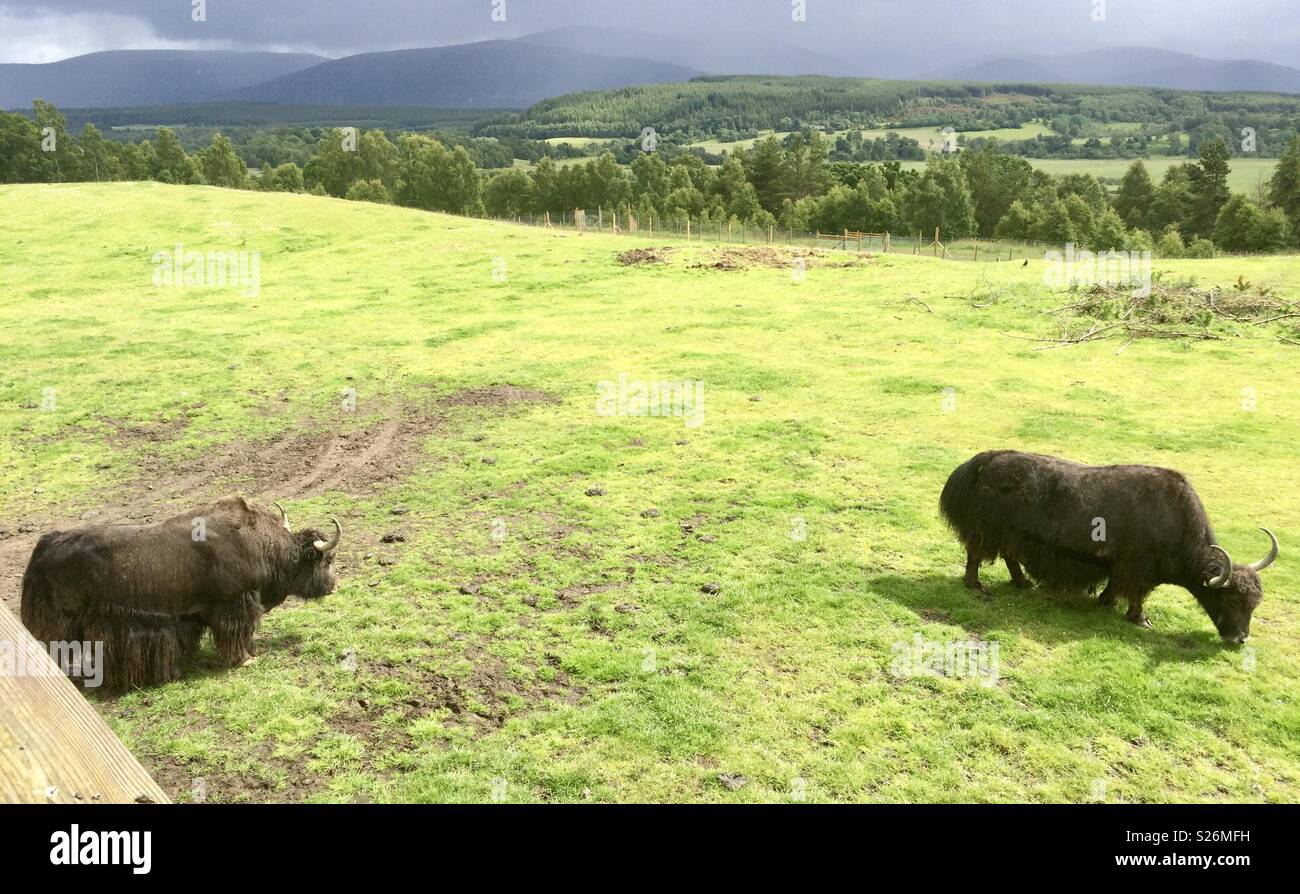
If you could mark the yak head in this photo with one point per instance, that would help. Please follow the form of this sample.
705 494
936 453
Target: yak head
1230 592
311 558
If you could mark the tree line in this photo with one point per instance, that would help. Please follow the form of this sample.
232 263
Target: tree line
794 183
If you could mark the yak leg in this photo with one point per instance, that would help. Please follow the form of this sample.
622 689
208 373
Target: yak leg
1017 573
233 624
1117 587
972 578
1135 613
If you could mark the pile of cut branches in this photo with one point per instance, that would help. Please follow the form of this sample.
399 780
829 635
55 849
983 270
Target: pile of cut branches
1176 309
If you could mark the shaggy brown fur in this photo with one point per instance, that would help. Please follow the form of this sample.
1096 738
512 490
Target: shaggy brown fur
147 592
1042 513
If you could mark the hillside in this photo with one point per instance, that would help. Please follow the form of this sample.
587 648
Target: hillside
1133 66
707 53
489 74
582 604
736 107
142 77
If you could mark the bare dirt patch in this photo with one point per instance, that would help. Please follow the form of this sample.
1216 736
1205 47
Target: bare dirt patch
636 256
312 457
496 396
774 258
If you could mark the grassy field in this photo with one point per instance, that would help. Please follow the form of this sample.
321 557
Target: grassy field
624 608
928 137
1246 173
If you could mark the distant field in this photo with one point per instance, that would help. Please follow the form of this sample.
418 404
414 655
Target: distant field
587 605
576 142
923 135
1246 172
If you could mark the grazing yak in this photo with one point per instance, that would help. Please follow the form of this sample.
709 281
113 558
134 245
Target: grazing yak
147 592
1071 526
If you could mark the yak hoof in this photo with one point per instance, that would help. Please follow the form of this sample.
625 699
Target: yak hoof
978 586
248 661
1141 620
1023 584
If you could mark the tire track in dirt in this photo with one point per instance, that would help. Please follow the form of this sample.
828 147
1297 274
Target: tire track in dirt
313 457
356 462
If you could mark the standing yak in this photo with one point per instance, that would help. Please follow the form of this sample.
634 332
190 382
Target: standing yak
147 592
1072 525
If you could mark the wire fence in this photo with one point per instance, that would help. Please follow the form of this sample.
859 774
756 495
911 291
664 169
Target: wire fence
704 230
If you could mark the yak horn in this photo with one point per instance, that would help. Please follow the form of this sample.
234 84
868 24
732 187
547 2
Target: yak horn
1221 581
331 545
1270 558
284 517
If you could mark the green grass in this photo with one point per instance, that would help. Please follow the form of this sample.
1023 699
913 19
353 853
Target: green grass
928 137
591 665
1245 175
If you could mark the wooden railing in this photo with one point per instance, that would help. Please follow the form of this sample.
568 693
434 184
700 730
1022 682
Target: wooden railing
54 746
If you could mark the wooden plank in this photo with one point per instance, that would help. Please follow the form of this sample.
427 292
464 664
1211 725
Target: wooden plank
54 746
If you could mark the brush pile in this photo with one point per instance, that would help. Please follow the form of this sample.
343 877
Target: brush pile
1177 309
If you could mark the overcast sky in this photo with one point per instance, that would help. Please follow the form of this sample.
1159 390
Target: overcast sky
943 30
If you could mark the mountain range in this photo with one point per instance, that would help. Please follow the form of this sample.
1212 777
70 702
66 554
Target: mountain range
519 72
1132 67
490 74
143 77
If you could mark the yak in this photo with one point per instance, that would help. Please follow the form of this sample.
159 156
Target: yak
1070 526
148 592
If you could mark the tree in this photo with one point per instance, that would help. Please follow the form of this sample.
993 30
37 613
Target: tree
170 163
1018 223
287 178
342 158
509 193
1056 225
1081 216
940 198
1170 243
1135 197
1243 226
1108 233
221 166
1209 186
20 149
1172 205
369 191
607 185
97 159
434 178
58 158
996 182
1284 187
765 167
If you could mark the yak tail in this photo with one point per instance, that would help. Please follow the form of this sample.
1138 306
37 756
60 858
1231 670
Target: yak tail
958 492
957 502
37 610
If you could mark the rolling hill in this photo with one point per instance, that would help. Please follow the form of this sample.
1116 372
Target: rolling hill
1133 67
704 53
488 74
142 77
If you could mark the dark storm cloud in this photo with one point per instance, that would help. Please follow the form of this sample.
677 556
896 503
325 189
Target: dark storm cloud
856 30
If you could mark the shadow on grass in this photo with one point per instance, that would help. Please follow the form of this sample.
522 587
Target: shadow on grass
1043 616
207 663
